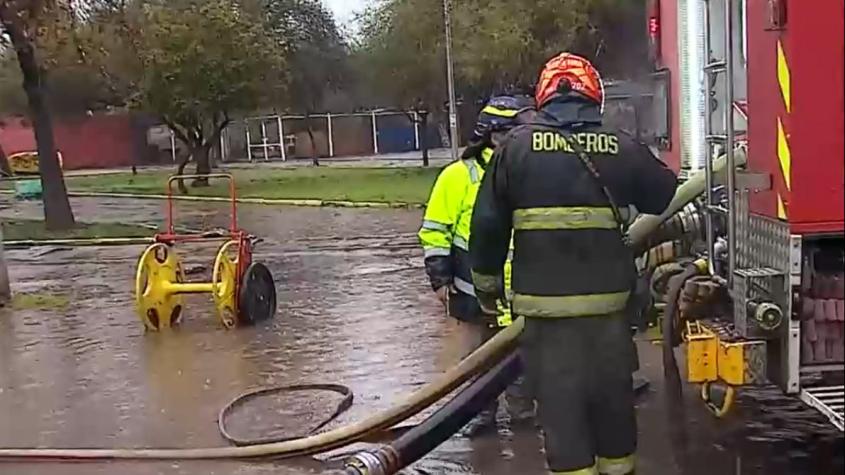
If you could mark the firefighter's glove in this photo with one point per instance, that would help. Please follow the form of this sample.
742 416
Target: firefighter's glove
489 303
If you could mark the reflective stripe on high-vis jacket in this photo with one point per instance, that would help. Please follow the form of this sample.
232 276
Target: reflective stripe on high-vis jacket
436 238
460 243
620 466
569 306
464 286
437 252
475 174
580 217
491 284
435 226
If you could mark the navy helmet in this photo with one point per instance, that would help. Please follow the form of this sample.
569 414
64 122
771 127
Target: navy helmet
500 114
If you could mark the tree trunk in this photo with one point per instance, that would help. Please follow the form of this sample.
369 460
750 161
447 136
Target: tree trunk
315 158
58 214
202 157
199 151
5 168
180 170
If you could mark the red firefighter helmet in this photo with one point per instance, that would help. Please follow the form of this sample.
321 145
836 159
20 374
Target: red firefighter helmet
580 75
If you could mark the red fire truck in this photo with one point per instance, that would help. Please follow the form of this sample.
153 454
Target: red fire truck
759 83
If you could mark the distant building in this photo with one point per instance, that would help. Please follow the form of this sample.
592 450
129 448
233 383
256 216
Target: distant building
89 141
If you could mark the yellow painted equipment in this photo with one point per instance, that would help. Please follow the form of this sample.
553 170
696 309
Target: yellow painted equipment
721 364
243 291
712 356
26 163
702 354
160 285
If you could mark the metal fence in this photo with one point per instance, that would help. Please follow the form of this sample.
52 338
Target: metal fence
284 137
630 106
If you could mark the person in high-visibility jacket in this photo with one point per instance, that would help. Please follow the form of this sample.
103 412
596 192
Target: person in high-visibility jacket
557 189
445 237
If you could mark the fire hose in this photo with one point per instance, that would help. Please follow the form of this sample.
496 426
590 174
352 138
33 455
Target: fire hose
496 350
342 407
425 437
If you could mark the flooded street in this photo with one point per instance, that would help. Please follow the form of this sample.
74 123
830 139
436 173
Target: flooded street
355 308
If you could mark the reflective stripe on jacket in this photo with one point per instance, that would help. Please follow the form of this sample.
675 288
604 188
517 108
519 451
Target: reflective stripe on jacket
445 232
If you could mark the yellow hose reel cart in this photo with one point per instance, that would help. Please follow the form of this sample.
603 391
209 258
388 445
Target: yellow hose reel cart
243 291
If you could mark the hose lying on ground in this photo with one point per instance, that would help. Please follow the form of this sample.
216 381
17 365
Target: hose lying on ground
478 362
440 426
342 407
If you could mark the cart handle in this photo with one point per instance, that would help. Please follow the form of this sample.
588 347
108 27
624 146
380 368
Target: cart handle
232 193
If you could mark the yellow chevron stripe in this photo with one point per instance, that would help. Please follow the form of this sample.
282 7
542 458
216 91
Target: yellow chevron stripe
781 207
784 78
784 155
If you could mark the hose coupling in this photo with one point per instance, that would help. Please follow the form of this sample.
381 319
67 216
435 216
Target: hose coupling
365 463
768 315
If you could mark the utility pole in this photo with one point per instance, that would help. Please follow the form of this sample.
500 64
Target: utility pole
450 73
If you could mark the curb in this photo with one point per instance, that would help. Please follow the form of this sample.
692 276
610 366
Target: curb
257 201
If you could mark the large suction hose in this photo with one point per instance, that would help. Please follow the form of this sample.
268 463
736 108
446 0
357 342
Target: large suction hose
477 363
647 225
438 428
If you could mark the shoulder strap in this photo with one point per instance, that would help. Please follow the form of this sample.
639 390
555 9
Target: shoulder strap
594 172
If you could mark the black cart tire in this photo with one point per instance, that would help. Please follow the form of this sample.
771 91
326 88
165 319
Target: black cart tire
257 296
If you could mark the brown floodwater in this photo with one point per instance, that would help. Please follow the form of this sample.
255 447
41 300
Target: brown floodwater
354 308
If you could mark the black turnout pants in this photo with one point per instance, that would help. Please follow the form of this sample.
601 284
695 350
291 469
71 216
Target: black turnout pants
580 373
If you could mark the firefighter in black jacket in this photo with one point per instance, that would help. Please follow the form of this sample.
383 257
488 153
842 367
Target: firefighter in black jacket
562 184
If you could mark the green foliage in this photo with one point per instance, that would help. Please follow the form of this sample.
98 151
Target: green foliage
201 60
497 43
195 62
72 86
12 97
501 42
400 52
308 38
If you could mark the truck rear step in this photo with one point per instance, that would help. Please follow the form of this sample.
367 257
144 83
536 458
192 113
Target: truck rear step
829 400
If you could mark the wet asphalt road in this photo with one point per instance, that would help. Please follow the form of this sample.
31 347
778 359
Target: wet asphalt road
355 309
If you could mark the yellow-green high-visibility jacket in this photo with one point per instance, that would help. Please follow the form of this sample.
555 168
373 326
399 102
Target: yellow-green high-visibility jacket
445 236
